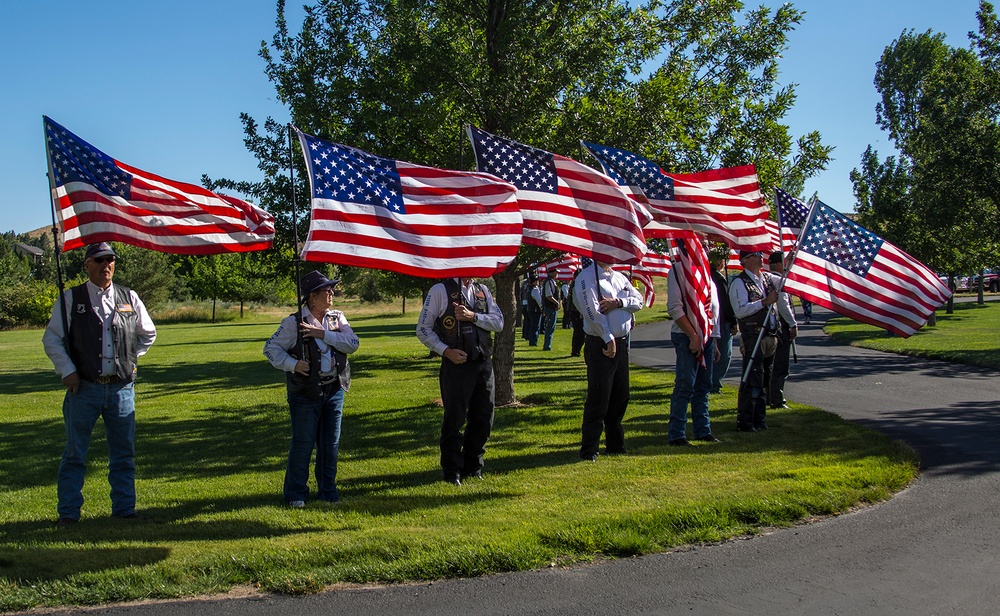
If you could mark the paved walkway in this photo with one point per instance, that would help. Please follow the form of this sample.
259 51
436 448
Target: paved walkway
932 549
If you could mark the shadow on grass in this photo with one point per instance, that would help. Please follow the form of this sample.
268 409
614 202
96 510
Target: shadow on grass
29 382
39 564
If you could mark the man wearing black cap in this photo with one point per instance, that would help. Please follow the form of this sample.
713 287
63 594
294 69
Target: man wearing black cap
788 328
752 294
457 322
108 329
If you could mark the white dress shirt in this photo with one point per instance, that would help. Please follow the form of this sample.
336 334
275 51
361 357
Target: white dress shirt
613 285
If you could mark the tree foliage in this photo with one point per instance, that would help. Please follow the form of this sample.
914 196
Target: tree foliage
691 84
939 106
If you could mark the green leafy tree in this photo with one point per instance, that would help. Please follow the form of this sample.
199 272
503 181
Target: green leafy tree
401 77
147 272
939 106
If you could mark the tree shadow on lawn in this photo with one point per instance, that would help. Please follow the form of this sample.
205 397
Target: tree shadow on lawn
30 381
34 564
218 376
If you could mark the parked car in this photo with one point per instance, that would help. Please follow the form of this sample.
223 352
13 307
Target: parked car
960 283
991 281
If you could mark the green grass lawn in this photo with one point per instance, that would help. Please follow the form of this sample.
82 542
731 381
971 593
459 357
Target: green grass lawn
212 438
969 336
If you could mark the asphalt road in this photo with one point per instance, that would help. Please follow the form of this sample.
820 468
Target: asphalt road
933 549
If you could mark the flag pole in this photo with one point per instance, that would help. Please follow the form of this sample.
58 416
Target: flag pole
295 234
56 244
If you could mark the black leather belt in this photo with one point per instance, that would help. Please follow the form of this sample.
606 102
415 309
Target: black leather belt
107 380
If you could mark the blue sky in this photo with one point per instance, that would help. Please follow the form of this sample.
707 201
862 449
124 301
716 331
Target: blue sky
160 86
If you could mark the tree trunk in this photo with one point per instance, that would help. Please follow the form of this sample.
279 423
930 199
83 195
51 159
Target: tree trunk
503 343
241 309
404 305
932 321
979 288
213 310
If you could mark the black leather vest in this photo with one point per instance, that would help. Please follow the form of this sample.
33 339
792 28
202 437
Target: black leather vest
86 334
465 335
310 386
756 320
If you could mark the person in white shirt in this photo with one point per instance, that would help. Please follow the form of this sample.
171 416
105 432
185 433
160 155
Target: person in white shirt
457 322
97 332
752 294
311 347
607 302
788 329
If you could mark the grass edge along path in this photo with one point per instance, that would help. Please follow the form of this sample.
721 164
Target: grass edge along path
212 438
968 336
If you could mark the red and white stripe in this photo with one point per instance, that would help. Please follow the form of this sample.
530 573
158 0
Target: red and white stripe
565 267
694 275
590 216
161 215
457 224
725 204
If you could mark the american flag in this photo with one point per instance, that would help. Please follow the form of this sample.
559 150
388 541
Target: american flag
654 264
566 205
101 199
649 295
792 212
565 266
380 213
694 277
785 244
725 204
844 267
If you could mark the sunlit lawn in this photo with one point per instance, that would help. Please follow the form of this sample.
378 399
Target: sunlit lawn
969 336
212 438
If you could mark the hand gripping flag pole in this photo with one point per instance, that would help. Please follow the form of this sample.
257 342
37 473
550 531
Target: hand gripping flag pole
773 309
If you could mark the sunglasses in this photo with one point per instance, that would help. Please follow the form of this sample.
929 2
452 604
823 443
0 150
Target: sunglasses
103 260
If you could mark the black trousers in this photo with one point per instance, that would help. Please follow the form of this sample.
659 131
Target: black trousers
607 396
578 335
751 405
779 370
467 396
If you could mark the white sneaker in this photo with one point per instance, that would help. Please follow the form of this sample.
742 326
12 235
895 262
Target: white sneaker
297 504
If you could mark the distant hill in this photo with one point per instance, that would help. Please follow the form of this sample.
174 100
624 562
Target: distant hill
39 232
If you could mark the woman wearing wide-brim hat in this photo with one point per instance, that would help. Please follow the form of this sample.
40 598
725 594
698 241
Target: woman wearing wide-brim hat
312 348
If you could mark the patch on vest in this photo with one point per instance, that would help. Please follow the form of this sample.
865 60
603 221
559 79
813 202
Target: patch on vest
448 322
81 308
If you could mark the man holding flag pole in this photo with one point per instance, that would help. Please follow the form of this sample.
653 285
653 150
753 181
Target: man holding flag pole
99 329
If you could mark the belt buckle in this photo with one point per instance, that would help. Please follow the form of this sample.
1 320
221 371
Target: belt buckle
106 380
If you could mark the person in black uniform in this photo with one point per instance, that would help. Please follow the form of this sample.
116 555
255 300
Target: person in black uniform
788 329
752 294
457 322
728 324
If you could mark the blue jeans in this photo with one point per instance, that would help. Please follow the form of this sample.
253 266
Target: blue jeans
115 403
725 346
548 326
315 423
691 386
